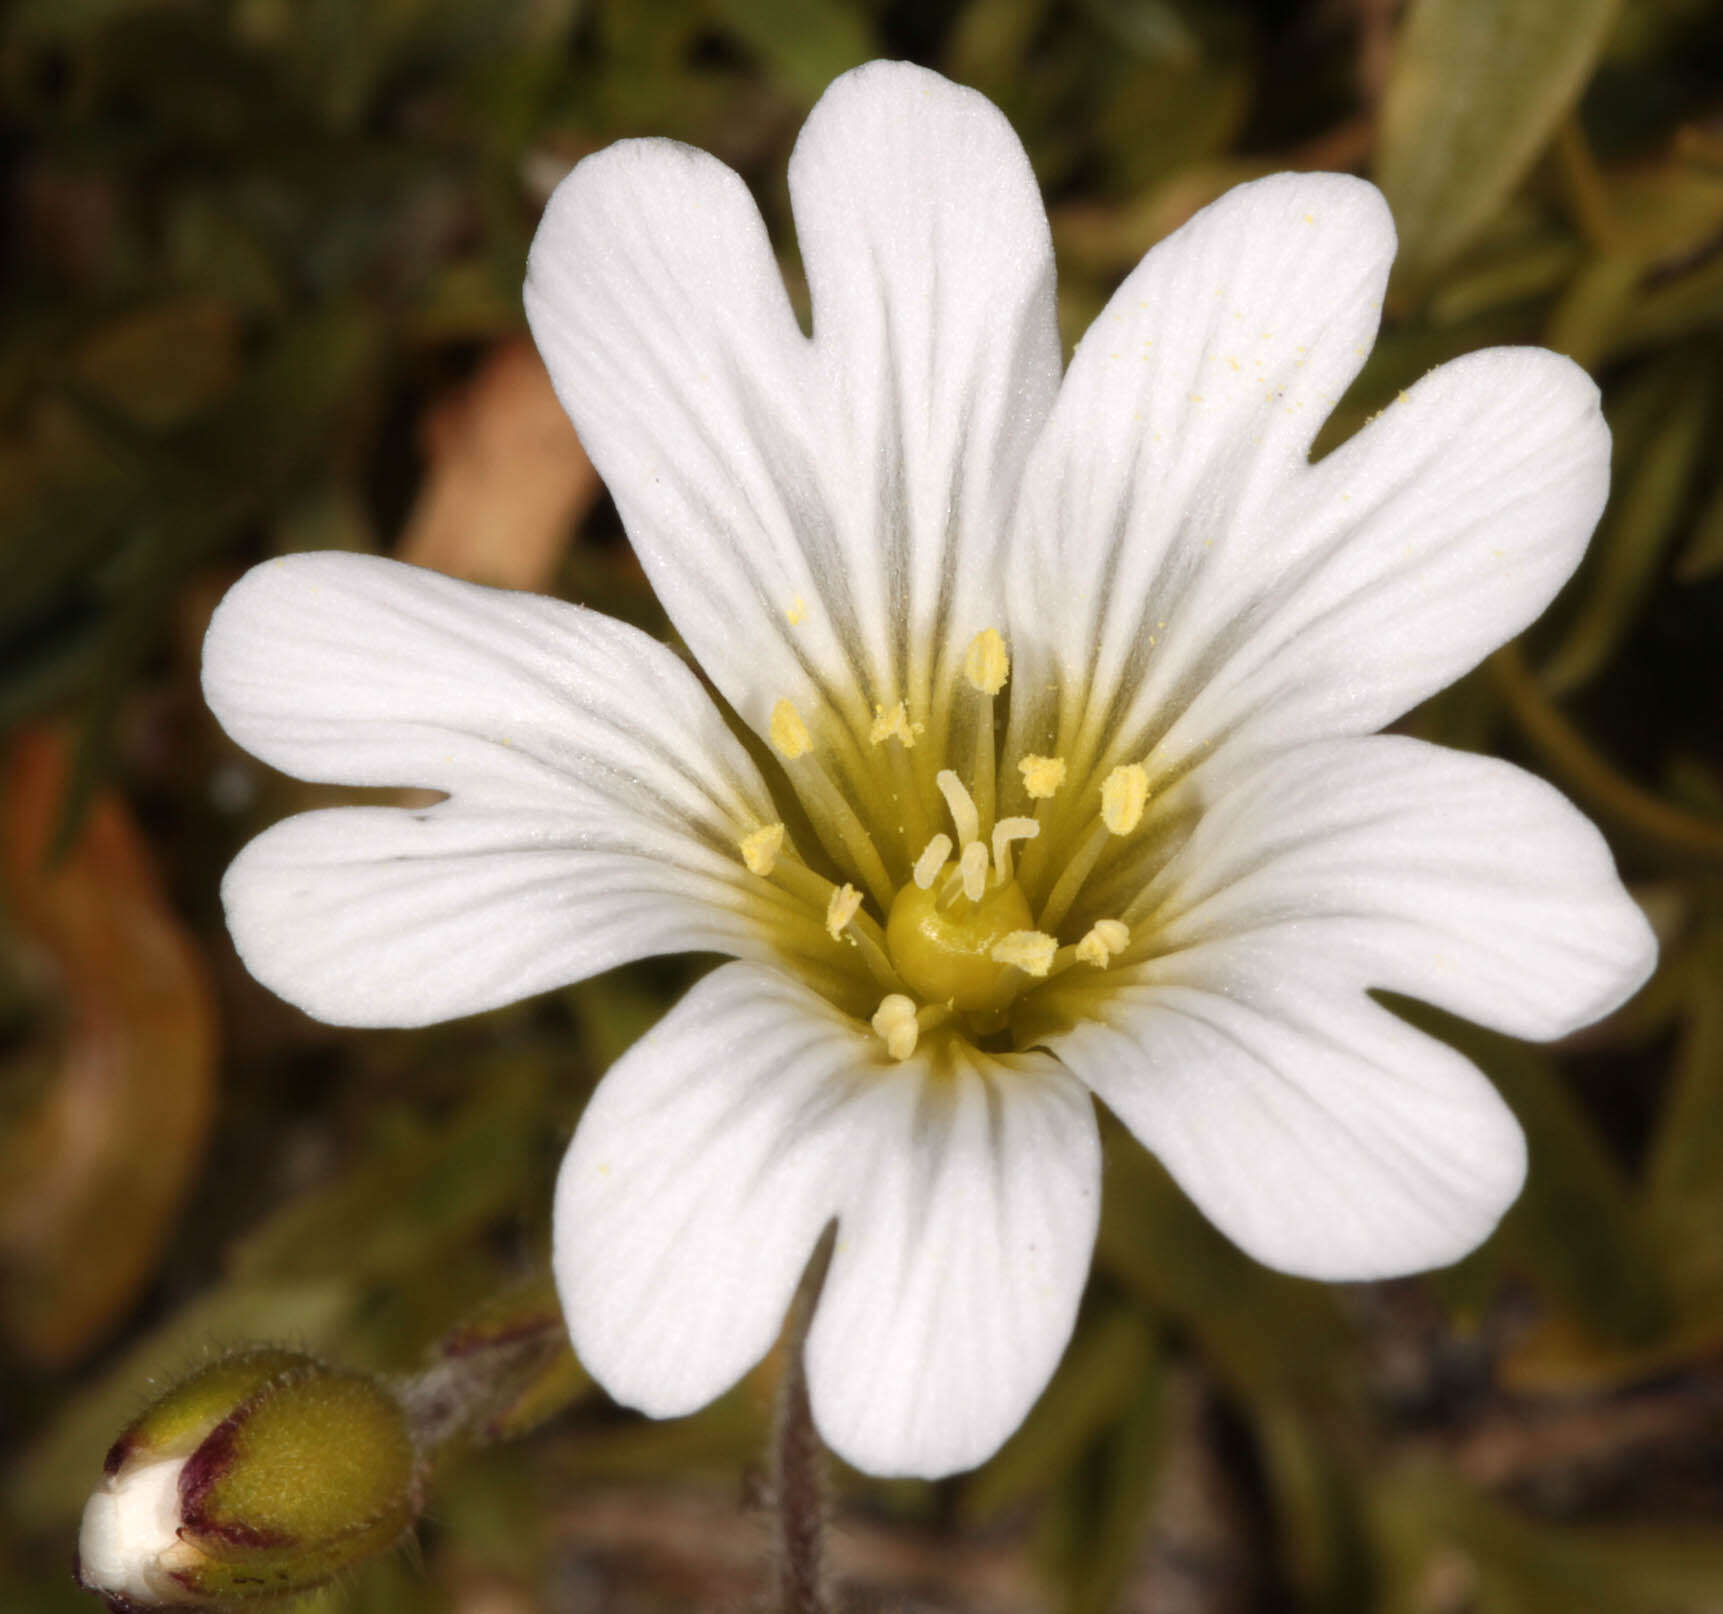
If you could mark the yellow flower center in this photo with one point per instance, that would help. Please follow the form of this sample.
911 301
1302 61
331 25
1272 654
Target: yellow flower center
945 953
936 931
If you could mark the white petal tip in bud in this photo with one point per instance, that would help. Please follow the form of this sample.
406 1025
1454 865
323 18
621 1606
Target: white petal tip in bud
130 1534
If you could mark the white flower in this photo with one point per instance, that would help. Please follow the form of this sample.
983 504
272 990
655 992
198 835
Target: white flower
1062 776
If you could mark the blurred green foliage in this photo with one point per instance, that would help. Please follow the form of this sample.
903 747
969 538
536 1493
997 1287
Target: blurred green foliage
249 243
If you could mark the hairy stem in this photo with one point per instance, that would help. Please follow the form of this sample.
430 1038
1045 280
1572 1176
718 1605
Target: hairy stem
798 1478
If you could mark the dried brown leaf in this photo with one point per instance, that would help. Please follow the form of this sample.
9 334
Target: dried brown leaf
508 479
94 1173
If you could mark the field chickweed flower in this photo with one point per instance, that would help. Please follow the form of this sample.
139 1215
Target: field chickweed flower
1054 770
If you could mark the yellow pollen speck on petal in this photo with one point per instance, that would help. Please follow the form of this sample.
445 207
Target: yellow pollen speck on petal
796 612
760 850
789 732
931 861
841 910
985 663
1042 776
887 723
1030 950
895 1022
1105 939
1124 795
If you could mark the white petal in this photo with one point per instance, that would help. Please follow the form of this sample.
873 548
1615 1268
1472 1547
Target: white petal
711 1157
1321 1134
798 503
705 1166
1182 578
1401 560
1457 879
596 798
1188 404
930 266
655 299
958 1267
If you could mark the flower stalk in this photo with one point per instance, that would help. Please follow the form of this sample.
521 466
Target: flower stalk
798 1459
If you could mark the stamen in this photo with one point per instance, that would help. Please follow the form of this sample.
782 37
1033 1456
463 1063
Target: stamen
896 722
1106 938
931 861
986 666
1030 950
789 733
841 910
760 849
1042 776
896 1024
973 867
1071 879
1124 795
831 812
1005 832
963 814
985 663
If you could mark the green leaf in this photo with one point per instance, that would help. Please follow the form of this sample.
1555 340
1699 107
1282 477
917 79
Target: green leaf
1104 1372
1684 1165
1702 555
1095 1534
1576 1226
1434 1531
1476 90
1270 1337
1653 486
807 43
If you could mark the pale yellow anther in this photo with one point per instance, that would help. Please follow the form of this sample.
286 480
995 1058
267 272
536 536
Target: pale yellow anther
985 663
789 733
796 612
896 1024
846 900
964 817
1124 795
1106 938
1005 832
1042 776
931 861
892 722
1030 950
973 867
760 849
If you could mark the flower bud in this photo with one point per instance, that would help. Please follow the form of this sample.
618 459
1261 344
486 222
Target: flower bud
262 1475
